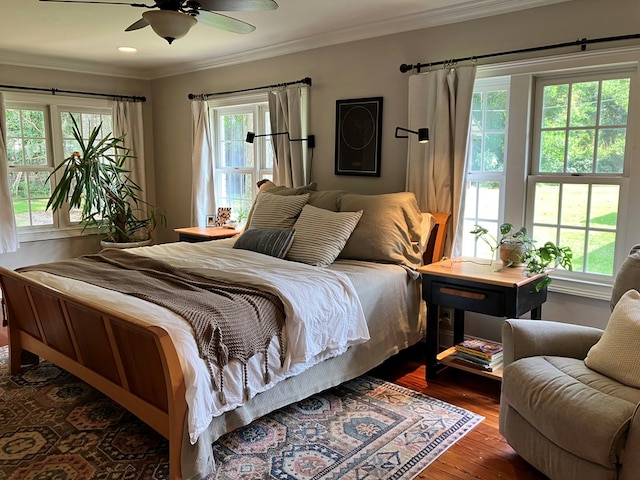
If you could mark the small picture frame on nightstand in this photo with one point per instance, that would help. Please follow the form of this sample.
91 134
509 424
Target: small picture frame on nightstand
211 220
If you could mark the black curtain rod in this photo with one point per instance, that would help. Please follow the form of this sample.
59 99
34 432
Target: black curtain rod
54 91
204 96
582 43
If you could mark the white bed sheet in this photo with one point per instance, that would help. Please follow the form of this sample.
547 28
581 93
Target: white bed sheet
324 317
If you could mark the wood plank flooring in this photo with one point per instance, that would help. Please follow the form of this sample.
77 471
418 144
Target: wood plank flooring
482 454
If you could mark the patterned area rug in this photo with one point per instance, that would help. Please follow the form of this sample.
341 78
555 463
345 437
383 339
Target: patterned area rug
54 426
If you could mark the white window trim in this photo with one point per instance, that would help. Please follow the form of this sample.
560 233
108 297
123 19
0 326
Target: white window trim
522 73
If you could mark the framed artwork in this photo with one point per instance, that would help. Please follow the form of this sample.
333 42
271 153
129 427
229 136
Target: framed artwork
211 220
358 136
224 216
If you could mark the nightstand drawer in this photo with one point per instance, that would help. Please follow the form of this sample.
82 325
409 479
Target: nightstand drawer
485 300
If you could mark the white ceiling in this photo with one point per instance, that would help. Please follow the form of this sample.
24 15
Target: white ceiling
84 37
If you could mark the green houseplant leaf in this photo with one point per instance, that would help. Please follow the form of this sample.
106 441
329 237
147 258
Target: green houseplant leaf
95 180
536 259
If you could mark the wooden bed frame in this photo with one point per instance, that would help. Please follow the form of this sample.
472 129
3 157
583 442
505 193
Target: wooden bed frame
105 348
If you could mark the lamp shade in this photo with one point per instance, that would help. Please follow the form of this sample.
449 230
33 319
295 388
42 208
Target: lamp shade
169 24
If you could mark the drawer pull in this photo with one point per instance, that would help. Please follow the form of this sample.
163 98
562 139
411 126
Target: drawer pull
463 293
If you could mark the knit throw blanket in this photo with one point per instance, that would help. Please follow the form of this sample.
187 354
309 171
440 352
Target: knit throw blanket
230 322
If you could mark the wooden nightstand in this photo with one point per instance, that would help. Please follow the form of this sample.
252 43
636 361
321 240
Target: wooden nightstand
204 234
474 285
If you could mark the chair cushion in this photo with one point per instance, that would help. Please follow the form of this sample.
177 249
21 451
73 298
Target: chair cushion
628 277
578 409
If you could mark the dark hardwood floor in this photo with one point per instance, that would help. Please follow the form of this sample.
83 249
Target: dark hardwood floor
482 454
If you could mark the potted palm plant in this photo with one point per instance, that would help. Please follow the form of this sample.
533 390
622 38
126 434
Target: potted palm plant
516 248
94 179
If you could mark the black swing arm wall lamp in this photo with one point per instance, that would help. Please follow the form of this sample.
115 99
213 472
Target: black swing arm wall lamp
311 139
423 134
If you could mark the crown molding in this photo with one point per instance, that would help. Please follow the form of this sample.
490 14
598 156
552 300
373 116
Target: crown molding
470 10
70 65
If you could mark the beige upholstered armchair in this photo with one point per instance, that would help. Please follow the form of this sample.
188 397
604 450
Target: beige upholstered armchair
571 394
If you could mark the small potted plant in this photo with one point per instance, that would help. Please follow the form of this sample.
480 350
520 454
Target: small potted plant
517 249
95 180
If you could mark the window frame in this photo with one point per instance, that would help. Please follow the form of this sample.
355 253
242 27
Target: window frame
487 85
523 76
258 104
62 226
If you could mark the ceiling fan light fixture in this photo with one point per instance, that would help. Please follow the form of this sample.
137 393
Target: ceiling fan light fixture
168 24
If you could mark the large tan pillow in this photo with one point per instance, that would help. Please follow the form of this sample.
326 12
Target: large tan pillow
276 211
617 353
327 199
389 230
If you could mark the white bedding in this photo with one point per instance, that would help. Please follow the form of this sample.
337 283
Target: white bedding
324 317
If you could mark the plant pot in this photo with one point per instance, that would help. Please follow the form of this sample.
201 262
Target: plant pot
140 243
511 254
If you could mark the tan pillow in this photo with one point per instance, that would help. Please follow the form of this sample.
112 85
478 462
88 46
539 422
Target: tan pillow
327 199
389 230
276 211
616 354
320 235
270 187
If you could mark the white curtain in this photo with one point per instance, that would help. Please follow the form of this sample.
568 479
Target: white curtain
8 230
127 121
203 200
441 101
289 112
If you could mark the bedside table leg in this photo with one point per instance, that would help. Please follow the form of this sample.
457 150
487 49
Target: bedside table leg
458 326
432 340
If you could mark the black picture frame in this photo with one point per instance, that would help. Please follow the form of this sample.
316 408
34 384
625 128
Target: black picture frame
358 136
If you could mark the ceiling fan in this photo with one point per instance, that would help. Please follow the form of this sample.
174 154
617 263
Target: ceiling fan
172 19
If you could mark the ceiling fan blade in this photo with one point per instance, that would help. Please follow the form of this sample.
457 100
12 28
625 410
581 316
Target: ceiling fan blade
137 25
103 3
217 20
236 5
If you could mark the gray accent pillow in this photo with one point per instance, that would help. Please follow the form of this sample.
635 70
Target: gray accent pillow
274 242
321 234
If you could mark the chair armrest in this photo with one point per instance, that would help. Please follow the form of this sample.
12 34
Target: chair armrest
530 338
630 458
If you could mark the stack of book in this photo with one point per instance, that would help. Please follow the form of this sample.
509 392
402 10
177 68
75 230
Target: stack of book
479 354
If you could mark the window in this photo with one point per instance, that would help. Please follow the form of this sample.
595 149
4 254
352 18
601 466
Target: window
565 169
578 166
486 162
240 165
39 138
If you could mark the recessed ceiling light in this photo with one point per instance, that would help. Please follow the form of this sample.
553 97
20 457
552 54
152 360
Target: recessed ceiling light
127 49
